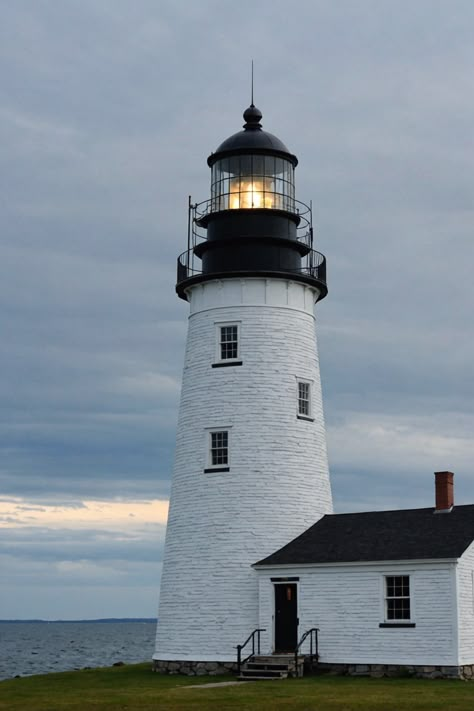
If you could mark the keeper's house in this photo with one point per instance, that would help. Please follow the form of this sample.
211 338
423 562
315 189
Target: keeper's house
386 589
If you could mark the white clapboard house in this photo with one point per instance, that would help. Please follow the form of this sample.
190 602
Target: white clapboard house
388 590
255 561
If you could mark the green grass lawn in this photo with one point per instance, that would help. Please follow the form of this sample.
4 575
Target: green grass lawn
137 687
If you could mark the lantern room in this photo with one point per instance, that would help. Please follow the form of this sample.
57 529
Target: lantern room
252 181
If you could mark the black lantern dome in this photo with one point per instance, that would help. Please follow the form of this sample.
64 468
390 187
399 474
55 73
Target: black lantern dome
252 138
252 225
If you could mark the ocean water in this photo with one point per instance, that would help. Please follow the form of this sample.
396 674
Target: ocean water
40 647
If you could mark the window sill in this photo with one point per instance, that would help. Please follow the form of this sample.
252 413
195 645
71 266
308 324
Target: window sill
226 364
208 470
305 417
397 625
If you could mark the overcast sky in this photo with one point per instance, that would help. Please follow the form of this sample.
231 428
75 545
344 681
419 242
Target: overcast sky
108 111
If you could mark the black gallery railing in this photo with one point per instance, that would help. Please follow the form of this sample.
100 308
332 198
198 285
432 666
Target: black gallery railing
313 264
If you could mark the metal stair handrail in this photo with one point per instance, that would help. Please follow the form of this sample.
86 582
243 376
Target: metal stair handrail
313 653
240 647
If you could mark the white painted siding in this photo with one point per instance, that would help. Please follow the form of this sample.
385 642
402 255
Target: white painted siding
278 484
346 604
465 587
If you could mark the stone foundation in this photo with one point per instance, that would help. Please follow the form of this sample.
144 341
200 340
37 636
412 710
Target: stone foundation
398 670
194 668
467 672
374 670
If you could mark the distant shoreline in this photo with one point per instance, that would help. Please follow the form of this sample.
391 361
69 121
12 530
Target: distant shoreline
99 620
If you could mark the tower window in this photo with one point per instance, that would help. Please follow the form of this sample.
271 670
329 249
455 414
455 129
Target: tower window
304 399
227 345
228 342
219 449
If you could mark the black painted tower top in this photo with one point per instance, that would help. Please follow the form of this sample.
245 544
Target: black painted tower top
252 225
253 139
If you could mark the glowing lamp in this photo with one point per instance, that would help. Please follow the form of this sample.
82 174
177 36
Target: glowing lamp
248 192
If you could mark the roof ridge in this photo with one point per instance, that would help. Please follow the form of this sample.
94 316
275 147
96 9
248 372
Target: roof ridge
386 511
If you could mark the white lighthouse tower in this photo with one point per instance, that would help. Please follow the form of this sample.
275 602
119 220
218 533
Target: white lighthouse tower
251 468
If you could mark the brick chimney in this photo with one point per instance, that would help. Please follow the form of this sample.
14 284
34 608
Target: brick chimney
444 491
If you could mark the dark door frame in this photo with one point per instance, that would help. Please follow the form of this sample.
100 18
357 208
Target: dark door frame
295 585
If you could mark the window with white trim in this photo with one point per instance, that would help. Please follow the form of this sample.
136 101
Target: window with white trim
219 448
397 598
228 341
304 398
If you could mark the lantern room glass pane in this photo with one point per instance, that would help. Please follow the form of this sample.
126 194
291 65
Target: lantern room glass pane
270 165
252 181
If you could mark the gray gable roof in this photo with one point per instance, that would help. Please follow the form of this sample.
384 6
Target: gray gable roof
380 535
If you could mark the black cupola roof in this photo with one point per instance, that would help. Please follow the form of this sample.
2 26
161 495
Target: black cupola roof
253 139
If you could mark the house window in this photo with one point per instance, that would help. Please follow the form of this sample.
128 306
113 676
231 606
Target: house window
304 399
219 449
397 598
229 342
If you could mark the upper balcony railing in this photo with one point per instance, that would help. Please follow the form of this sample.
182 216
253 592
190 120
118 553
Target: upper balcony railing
251 201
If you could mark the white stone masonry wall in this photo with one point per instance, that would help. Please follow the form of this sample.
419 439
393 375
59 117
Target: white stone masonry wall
278 484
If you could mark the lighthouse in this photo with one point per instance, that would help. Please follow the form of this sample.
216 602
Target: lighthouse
251 469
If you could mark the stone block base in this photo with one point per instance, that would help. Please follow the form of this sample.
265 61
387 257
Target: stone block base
398 670
374 670
194 668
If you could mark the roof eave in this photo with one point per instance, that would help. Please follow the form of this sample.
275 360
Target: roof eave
403 561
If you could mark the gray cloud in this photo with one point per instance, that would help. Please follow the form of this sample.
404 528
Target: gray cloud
107 114
66 545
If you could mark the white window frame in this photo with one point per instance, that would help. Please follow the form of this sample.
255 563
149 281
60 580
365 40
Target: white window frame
209 464
223 324
309 414
386 598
